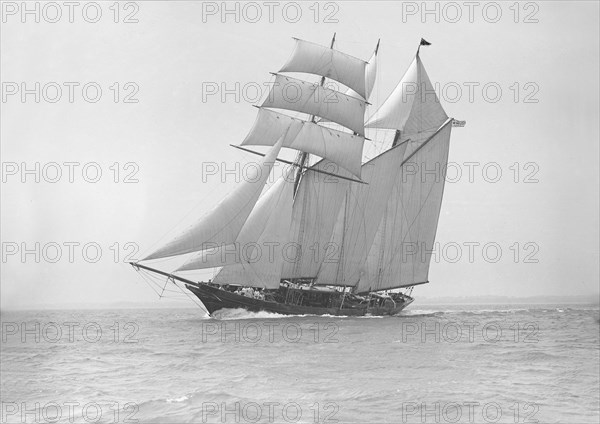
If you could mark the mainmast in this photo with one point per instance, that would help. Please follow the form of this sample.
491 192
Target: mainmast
302 158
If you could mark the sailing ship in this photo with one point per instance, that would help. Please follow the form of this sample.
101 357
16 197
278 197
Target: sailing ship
332 235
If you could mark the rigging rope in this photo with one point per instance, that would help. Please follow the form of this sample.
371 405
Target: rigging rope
153 280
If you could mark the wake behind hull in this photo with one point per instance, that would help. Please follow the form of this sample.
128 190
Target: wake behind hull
215 299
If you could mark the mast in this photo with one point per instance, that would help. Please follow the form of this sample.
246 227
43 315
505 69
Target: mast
302 158
340 269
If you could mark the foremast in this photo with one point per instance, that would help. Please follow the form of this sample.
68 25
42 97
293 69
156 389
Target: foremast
303 157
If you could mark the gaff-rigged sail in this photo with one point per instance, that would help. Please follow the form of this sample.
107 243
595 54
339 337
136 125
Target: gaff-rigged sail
359 219
401 251
343 148
223 223
316 207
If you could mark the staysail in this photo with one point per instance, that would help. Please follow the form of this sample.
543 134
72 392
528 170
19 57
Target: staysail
223 223
262 268
269 214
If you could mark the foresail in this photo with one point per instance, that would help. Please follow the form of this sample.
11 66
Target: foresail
343 148
359 219
319 60
222 224
268 212
413 108
315 212
263 265
401 252
312 99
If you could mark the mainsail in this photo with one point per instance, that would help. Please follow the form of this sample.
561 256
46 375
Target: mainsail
401 252
359 217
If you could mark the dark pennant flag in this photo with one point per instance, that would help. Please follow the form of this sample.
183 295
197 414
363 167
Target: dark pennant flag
424 42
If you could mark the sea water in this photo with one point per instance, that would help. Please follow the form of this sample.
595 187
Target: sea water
432 364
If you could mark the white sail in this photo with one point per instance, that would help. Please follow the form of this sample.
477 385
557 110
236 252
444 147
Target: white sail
263 264
223 223
370 76
413 108
320 60
301 96
359 219
399 255
343 148
318 201
268 212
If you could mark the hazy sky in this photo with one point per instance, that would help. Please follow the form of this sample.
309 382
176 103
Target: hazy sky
536 121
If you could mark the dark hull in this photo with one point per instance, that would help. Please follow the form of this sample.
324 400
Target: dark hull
215 299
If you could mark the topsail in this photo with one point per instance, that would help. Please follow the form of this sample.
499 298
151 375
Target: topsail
312 99
343 148
315 59
413 108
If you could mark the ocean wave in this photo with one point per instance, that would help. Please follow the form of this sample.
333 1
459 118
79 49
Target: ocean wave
238 313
